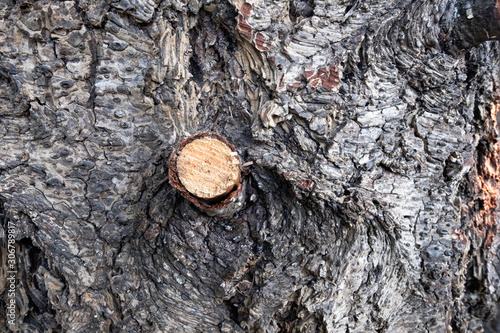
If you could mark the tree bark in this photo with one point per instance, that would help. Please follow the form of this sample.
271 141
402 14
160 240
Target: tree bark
371 204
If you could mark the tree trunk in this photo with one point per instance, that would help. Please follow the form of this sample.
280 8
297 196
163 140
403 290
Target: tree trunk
371 204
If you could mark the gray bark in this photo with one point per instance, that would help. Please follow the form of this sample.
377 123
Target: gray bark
372 200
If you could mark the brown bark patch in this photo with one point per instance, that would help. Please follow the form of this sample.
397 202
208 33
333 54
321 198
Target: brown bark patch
261 42
246 9
327 78
244 28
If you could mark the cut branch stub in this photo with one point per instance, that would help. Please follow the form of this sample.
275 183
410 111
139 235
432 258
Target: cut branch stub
206 170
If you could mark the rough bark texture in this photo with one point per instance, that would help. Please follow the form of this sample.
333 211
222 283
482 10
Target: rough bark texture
372 200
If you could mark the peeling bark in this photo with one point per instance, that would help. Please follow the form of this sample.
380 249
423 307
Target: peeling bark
372 201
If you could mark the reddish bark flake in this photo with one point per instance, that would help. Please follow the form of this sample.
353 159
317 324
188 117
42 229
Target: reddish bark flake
261 42
290 175
306 184
303 184
328 78
314 83
246 9
308 73
332 80
244 28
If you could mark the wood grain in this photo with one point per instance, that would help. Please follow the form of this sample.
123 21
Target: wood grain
208 168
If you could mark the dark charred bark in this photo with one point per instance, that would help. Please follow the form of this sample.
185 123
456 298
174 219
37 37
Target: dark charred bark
475 22
371 204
